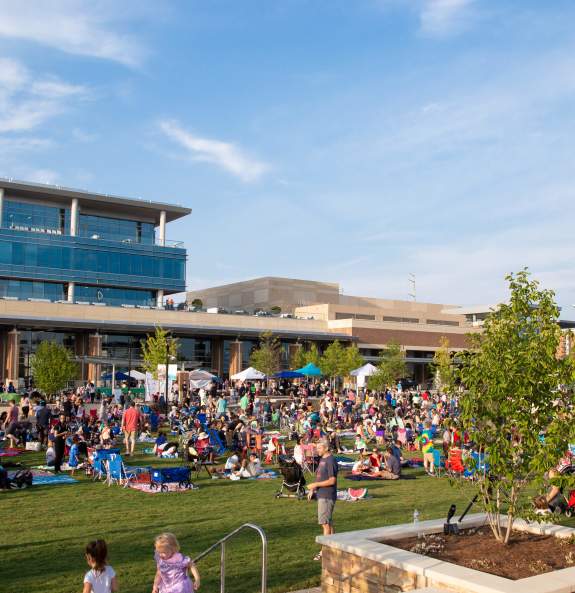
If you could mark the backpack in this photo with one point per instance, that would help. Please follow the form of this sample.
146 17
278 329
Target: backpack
21 479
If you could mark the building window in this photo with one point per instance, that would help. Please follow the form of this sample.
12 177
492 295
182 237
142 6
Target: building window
114 296
26 289
355 316
24 216
441 322
400 319
116 229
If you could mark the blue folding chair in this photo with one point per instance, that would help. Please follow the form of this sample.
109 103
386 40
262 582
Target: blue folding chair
216 442
117 472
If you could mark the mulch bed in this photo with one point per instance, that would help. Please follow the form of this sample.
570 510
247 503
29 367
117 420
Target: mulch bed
525 556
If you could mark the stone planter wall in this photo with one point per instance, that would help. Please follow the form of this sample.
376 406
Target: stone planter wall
357 562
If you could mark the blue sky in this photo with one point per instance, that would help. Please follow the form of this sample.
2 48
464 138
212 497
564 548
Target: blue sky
341 140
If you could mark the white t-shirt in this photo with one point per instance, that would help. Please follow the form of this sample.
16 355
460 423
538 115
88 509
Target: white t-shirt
101 581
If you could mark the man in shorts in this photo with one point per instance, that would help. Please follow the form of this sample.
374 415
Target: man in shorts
130 425
325 488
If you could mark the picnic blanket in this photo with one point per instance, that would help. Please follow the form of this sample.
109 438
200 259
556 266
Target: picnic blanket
44 478
361 478
11 452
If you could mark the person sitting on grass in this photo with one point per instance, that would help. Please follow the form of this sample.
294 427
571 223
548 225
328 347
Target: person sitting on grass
101 578
392 469
248 469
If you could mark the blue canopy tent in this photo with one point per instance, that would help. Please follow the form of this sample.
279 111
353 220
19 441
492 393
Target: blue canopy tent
289 375
310 370
119 376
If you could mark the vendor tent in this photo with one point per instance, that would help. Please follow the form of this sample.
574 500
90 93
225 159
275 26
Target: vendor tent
250 374
310 370
200 379
367 370
289 375
118 375
137 375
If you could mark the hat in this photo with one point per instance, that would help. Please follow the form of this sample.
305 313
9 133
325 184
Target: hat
203 435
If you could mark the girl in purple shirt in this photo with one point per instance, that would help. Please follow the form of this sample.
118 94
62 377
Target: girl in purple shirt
173 568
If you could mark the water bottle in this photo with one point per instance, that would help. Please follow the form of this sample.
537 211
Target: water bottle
416 522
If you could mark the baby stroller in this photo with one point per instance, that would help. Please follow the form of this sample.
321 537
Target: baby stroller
293 478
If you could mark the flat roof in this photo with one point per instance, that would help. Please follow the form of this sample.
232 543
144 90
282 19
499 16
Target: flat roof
111 203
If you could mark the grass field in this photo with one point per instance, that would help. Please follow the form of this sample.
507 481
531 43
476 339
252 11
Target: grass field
45 528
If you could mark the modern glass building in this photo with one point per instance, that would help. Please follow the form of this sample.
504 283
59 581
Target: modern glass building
58 244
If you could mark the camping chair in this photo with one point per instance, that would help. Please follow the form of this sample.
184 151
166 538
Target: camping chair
93 413
216 442
117 471
402 436
309 458
454 463
438 462
255 444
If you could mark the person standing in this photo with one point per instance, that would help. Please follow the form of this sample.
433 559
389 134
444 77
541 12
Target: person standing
325 488
43 416
130 425
60 432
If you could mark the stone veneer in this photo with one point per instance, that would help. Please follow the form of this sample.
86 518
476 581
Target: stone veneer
357 562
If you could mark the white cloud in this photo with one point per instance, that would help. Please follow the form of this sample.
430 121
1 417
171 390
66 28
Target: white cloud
73 27
223 154
26 102
442 17
42 176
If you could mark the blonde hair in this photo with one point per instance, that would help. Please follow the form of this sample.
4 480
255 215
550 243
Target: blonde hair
168 542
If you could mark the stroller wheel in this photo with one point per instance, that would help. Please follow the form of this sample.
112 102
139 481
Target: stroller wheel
164 488
278 494
568 512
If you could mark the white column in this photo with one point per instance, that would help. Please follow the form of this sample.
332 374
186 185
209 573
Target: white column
1 204
162 236
71 286
160 299
74 218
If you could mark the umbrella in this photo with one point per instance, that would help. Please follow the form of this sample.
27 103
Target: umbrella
289 375
365 371
310 370
250 374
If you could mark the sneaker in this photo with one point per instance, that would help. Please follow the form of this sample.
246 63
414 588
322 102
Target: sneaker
317 557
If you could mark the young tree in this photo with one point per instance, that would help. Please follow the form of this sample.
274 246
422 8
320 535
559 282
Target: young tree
443 367
157 348
313 355
197 303
352 360
513 382
266 358
390 368
53 367
298 358
331 360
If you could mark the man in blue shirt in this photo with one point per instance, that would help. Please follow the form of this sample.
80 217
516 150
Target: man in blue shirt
325 488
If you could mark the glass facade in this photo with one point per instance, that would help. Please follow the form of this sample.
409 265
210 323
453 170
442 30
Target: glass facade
74 259
23 216
197 352
116 229
114 296
25 289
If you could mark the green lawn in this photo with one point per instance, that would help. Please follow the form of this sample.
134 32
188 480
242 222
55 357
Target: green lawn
45 528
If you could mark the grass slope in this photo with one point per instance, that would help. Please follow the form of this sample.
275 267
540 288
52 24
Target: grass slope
46 527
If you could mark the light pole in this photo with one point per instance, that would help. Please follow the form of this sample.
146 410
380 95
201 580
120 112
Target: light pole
168 357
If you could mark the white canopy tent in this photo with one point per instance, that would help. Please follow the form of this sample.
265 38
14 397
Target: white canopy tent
362 372
137 375
250 374
199 379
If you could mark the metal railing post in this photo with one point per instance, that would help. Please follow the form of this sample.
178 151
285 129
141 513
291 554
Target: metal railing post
223 568
222 544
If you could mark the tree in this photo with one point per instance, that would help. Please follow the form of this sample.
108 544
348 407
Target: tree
276 310
332 359
157 348
391 367
352 360
53 367
197 303
443 367
513 395
313 356
298 358
266 358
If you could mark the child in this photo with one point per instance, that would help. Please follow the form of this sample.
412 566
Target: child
173 567
101 577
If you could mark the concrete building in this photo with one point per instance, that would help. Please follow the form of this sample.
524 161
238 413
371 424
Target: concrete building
370 322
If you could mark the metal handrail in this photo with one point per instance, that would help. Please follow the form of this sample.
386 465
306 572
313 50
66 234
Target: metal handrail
222 543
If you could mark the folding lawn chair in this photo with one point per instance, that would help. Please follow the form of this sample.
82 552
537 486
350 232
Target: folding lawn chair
216 442
309 458
117 471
